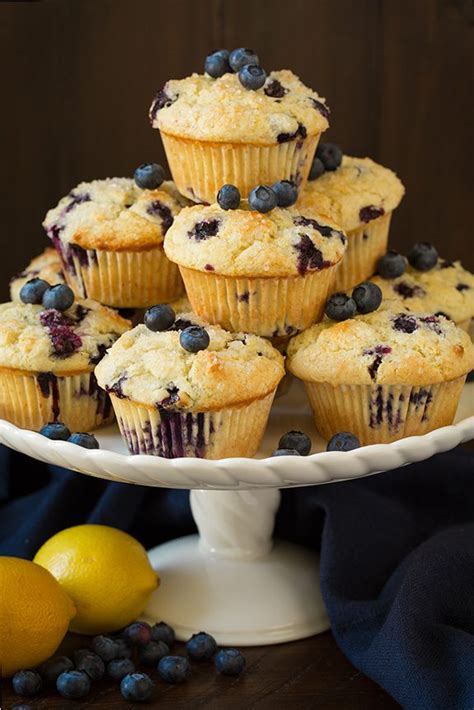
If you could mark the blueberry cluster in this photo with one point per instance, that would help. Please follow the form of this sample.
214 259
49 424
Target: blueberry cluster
162 317
38 291
262 198
423 257
328 157
241 61
149 176
366 297
60 432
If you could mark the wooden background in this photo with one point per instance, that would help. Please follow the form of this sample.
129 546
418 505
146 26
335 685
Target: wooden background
78 77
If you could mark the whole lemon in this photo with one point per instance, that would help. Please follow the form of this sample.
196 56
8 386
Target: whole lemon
106 573
34 614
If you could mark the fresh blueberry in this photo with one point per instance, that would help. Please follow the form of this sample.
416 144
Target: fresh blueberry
33 291
56 431
27 683
137 634
137 687
296 440
163 632
53 667
252 77
201 647
343 441
228 197
217 63
92 664
286 452
149 176
59 297
122 648
262 199
87 441
339 307
423 256
330 155
174 669
317 169
238 58
391 265
368 297
194 339
159 318
73 684
286 193
229 661
153 651
119 668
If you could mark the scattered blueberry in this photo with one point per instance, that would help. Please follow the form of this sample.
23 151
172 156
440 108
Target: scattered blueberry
343 441
228 197
317 169
423 256
262 199
330 155
286 452
137 687
149 176
123 650
153 651
217 63
296 440
163 632
238 58
27 683
201 647
391 265
53 667
33 291
59 297
286 193
119 668
194 339
174 669
159 318
56 431
252 77
340 307
368 297
137 634
73 684
229 661
92 664
82 438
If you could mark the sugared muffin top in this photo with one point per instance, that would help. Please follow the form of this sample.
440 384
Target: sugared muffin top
114 214
222 110
357 192
152 368
243 242
382 347
39 340
46 265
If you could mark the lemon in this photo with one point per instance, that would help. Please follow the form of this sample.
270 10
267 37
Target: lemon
105 572
34 614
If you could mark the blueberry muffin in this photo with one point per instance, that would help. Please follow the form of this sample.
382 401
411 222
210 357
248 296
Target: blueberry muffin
267 274
217 131
191 390
384 375
47 361
360 195
46 266
109 234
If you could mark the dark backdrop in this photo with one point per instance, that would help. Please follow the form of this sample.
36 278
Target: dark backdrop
78 77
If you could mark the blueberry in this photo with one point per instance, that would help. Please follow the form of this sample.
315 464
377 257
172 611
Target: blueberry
391 265
201 647
368 297
174 669
92 664
137 634
339 307
153 651
238 58
228 197
137 687
27 683
119 668
194 339
296 440
82 438
159 318
262 199
149 176
343 441
33 291
73 684
286 193
286 452
423 256
53 667
229 661
217 63
330 155
317 169
56 431
59 297
252 77
163 632
123 650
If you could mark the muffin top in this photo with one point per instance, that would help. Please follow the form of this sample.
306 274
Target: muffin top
46 266
243 242
383 347
447 289
153 369
39 340
359 191
222 110
114 214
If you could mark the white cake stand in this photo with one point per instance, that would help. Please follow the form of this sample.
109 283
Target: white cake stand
231 580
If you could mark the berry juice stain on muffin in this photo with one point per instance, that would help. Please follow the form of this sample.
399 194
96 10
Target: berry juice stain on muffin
158 208
48 384
370 212
203 230
408 290
309 256
63 338
405 323
379 351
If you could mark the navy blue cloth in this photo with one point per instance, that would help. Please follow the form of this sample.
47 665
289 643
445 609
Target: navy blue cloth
397 557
